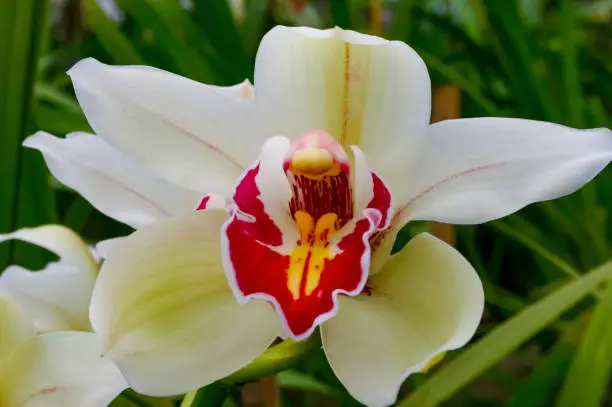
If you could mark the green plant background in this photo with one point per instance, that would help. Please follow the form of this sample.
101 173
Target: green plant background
546 336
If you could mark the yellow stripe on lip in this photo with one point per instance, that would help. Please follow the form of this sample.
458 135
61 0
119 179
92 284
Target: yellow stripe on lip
307 260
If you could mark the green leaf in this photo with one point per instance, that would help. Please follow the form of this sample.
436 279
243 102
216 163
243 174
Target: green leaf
274 360
586 383
504 339
499 296
212 395
132 399
537 389
296 380
292 379
402 20
535 247
573 95
114 42
341 14
216 19
253 25
452 75
515 47
191 37
153 17
49 93
36 206
22 24
77 214
60 121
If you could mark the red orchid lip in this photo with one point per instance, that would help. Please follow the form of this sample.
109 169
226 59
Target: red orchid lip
330 251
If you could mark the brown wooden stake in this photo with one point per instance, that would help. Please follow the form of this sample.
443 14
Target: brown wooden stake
446 105
271 392
376 16
264 393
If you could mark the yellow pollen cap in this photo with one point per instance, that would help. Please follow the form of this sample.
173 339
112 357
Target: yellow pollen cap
312 160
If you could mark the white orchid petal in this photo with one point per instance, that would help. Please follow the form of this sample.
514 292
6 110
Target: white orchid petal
274 188
59 240
116 185
15 327
212 201
363 184
362 90
382 246
476 170
105 247
58 370
242 90
165 311
426 300
56 298
197 136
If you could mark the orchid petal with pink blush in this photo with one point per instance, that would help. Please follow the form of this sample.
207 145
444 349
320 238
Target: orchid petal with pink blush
57 297
184 131
52 370
116 185
476 170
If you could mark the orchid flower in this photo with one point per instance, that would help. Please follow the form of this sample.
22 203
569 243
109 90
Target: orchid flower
54 369
304 181
56 298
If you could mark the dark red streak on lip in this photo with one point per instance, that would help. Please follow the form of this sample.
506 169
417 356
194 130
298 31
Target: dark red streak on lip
203 203
306 267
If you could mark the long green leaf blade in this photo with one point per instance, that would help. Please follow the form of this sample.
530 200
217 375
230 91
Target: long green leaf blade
515 48
537 389
108 33
571 70
21 33
587 380
216 19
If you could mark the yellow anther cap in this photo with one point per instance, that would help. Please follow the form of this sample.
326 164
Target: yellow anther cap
312 161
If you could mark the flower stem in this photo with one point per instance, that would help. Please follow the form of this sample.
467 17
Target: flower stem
188 399
274 360
214 394
135 398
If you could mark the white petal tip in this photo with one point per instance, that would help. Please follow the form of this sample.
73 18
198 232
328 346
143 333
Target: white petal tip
35 140
87 64
352 37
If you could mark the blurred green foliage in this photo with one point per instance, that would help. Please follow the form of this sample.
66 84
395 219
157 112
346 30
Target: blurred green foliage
540 59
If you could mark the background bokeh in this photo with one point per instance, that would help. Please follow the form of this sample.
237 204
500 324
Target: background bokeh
539 59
